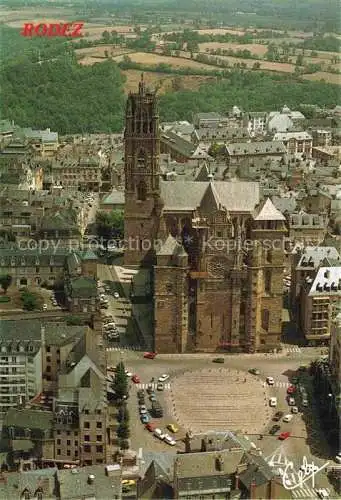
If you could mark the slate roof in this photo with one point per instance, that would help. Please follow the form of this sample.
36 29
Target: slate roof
82 287
313 256
284 204
269 212
209 116
254 148
221 133
177 143
169 246
114 198
258 471
61 220
286 136
307 220
75 485
31 258
202 464
27 418
187 196
17 482
329 280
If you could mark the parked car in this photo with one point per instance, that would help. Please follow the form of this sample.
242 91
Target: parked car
291 402
141 400
218 360
294 380
127 372
277 416
163 378
169 440
116 295
284 435
291 389
152 397
136 379
173 428
145 418
150 427
273 402
288 418
274 429
254 371
149 355
294 409
160 386
338 458
143 410
305 402
44 307
270 380
140 392
159 434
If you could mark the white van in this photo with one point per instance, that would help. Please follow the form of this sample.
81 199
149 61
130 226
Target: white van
288 418
273 402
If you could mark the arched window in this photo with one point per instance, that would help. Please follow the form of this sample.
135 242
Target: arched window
141 159
141 191
39 494
25 495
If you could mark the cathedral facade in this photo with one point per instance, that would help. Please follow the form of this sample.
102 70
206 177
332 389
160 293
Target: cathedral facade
216 249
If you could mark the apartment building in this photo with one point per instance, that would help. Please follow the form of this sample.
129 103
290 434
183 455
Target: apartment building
318 297
255 122
219 135
305 264
78 173
74 427
207 120
20 365
45 266
238 154
321 137
297 143
307 229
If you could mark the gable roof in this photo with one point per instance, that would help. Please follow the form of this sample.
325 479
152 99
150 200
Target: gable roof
269 212
187 196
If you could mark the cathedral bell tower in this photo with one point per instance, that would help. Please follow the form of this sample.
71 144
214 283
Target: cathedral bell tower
142 179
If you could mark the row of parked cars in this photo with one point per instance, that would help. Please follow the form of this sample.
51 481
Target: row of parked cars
110 328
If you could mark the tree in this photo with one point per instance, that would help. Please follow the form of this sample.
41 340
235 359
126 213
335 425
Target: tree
5 282
29 301
123 430
120 384
110 225
123 414
256 65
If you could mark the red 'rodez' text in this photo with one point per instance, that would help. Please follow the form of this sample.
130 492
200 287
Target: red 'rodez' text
52 29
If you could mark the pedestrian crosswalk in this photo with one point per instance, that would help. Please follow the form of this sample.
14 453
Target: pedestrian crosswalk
294 350
152 386
124 348
278 384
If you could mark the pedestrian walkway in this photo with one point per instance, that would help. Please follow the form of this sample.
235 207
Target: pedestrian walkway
152 386
294 350
124 348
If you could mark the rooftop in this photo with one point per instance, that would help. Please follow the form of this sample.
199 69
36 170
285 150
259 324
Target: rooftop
327 282
313 256
253 148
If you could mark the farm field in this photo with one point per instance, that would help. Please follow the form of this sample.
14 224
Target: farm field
162 81
254 48
155 59
100 50
321 75
264 65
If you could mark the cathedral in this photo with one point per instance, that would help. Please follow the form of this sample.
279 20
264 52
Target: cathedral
215 249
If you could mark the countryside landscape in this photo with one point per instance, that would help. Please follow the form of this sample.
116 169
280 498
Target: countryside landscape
177 51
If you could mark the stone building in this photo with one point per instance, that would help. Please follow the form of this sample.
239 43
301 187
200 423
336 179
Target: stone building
216 249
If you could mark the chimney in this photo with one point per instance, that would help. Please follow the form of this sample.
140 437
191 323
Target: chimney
236 484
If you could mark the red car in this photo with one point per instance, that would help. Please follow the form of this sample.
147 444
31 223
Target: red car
149 355
291 389
284 435
136 379
151 427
